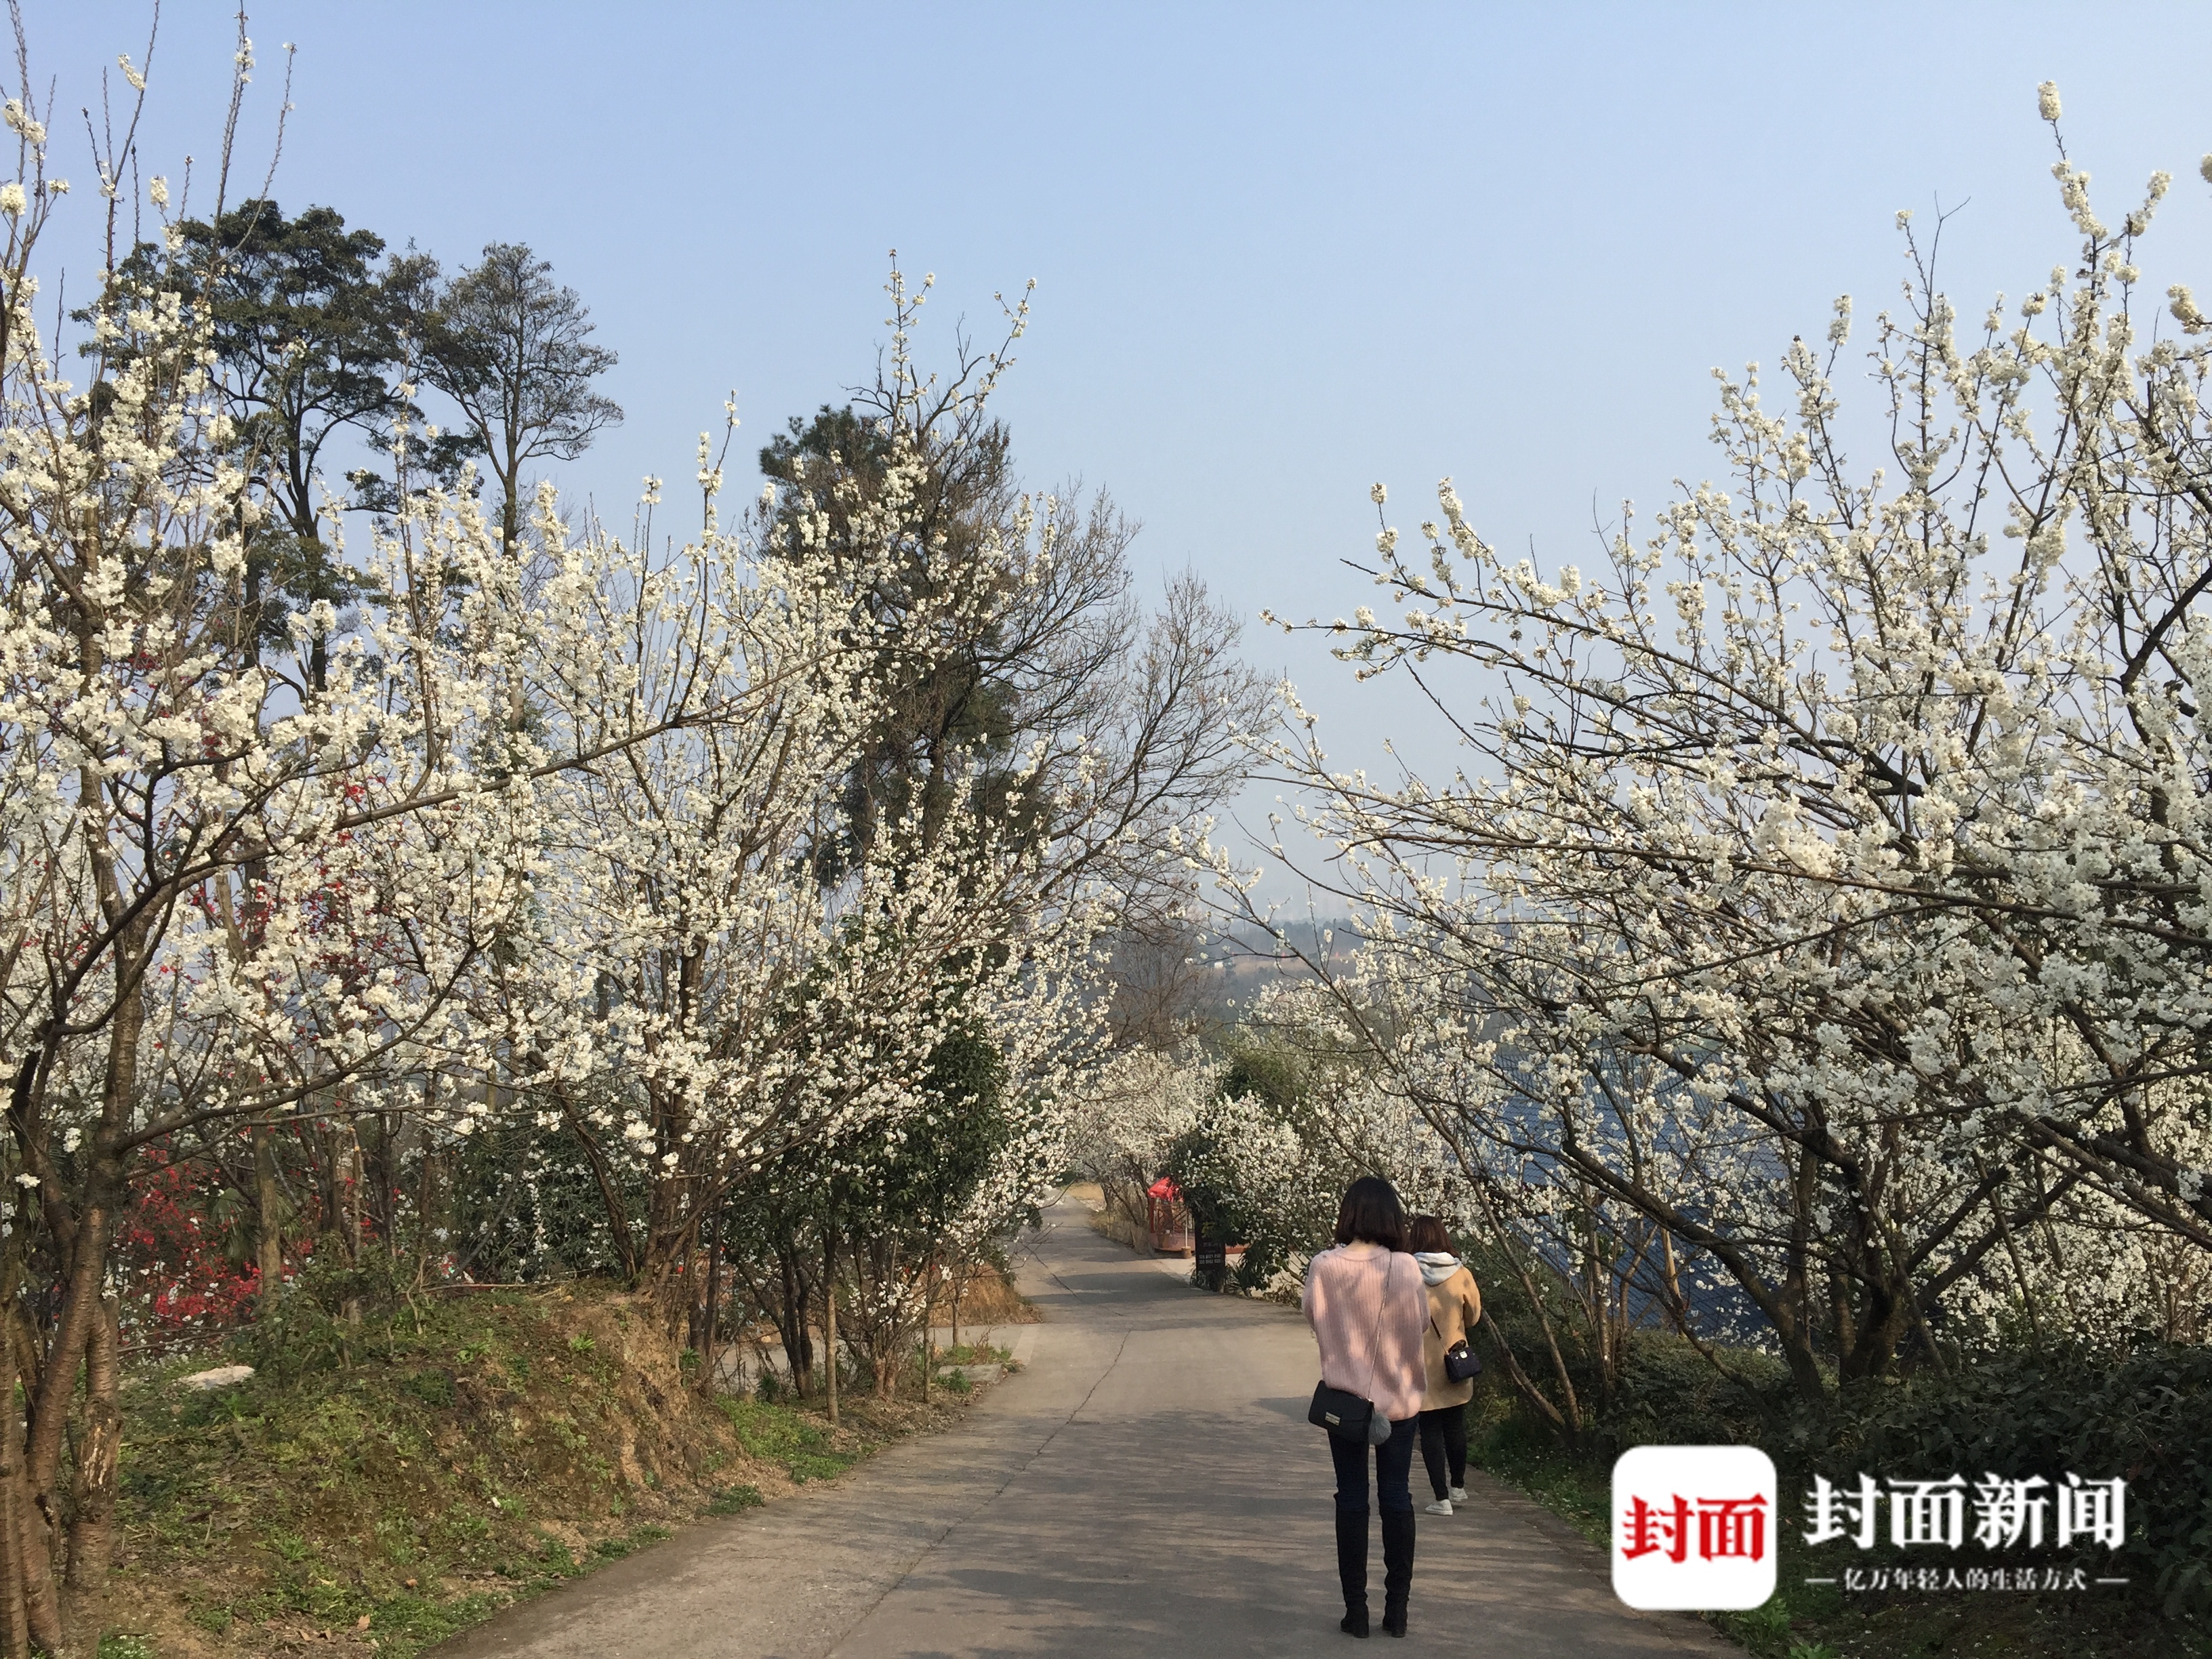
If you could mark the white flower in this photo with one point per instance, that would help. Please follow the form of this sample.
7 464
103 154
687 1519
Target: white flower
11 200
19 117
2046 100
158 189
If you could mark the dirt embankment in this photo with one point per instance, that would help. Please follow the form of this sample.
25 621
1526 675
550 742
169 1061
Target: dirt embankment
399 1481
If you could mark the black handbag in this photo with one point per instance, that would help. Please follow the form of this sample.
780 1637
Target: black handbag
1461 1362
1344 1415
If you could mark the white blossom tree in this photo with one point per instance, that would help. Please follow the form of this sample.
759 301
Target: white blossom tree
239 888
1831 893
228 889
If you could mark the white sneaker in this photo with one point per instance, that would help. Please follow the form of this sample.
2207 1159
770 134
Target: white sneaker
1442 1506
1459 1494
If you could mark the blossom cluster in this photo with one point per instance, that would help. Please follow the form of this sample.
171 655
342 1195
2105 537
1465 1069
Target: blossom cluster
1811 950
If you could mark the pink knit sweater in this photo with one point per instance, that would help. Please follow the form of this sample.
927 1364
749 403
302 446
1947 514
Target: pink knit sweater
1377 1360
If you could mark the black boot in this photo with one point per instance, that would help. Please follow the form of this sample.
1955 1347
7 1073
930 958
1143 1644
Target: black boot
1351 1569
1397 1568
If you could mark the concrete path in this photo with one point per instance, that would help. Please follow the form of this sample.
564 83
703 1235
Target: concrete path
1147 1485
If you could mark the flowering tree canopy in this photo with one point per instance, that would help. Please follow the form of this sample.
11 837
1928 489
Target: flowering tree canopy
1830 899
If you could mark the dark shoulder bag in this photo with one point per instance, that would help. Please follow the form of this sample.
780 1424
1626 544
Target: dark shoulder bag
1348 1416
1461 1362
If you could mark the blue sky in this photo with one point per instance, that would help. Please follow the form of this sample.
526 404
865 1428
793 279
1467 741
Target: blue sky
1282 250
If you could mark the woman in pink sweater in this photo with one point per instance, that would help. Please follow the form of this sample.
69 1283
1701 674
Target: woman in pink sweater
1369 1312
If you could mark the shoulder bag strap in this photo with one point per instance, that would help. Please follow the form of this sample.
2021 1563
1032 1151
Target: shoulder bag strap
1374 1342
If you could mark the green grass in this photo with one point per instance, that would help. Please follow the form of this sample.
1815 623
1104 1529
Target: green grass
404 1481
613 1549
787 1436
393 1482
1578 1492
974 1353
956 1382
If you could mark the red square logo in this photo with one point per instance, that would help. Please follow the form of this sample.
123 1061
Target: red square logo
1694 1527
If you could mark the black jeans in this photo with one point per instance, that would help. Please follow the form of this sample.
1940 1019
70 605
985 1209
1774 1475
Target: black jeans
1394 1470
1443 1435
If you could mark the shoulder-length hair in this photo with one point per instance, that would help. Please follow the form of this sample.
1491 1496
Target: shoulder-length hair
1371 1212
1426 1233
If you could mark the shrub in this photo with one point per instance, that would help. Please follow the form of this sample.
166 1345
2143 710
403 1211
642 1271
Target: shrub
2146 1416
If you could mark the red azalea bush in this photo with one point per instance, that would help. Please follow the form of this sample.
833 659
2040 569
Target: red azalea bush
180 1275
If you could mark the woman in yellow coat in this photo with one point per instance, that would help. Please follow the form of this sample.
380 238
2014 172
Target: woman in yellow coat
1455 1308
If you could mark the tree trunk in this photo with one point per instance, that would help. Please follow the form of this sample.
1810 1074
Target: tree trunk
84 1343
346 1177
510 508
884 1341
798 1342
82 1305
268 1222
1567 1417
98 1452
430 1210
15 1576
928 1344
380 1181
711 1348
830 1320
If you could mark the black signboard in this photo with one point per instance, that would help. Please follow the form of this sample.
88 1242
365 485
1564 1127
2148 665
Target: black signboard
1213 1255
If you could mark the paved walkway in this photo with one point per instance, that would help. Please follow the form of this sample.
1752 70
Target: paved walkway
1147 1485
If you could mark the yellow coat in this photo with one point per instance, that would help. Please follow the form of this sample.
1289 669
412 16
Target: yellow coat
1454 1307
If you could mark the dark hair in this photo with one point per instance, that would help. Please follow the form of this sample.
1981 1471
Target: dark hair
1371 1211
1426 1232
